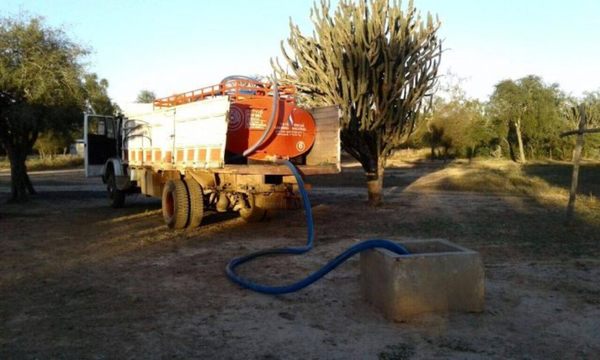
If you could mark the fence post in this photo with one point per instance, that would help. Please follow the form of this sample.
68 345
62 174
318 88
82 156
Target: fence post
576 161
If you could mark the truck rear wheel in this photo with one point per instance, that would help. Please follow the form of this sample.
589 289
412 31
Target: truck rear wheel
196 203
175 204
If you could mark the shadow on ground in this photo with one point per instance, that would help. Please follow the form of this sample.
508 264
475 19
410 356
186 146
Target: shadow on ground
559 174
81 280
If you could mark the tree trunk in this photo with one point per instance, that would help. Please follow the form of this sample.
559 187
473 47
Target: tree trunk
520 141
470 154
21 186
375 183
511 151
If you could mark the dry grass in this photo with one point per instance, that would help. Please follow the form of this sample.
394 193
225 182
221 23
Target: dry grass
545 182
487 204
409 155
48 163
85 280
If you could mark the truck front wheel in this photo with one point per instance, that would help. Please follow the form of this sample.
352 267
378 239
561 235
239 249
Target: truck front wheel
116 197
175 204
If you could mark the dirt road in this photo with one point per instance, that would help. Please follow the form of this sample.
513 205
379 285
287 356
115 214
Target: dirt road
81 280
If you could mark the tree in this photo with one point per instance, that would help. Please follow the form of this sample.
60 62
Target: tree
51 142
591 101
145 97
457 124
454 121
509 102
40 89
378 63
96 93
528 111
59 137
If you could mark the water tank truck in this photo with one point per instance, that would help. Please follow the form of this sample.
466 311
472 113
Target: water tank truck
213 148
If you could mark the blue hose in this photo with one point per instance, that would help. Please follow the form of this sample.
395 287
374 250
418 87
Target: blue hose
364 245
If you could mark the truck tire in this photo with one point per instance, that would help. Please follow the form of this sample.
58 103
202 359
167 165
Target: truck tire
175 204
116 197
196 203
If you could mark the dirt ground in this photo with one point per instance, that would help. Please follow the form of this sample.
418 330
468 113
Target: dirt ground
81 280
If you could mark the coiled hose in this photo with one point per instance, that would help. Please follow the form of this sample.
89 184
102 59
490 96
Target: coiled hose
249 284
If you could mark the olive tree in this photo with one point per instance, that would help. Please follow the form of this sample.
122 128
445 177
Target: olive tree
378 62
61 135
40 89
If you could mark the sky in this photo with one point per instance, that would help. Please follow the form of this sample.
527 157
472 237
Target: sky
176 46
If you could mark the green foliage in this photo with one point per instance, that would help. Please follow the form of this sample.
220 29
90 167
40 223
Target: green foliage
592 102
96 92
534 108
53 142
461 127
61 135
145 97
591 105
41 89
376 61
39 64
40 75
457 125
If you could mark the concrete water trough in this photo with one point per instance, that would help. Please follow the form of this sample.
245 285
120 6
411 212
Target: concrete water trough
437 277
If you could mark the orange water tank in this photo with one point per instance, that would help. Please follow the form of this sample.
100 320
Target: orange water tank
292 135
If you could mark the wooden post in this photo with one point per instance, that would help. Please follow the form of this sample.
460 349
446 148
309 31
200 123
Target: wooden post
580 132
576 161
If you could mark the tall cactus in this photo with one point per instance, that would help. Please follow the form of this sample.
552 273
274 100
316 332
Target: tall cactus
378 62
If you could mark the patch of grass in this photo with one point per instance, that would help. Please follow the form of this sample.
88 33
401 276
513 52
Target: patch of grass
490 177
559 174
56 162
410 155
502 177
525 211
